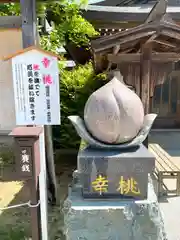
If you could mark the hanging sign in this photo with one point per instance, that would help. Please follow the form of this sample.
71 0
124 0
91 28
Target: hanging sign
36 87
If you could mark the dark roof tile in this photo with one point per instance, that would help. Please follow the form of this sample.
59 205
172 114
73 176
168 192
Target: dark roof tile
133 2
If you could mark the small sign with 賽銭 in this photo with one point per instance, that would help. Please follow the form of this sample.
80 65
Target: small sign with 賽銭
26 162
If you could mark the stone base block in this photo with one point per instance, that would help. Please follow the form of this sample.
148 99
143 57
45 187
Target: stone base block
112 219
115 173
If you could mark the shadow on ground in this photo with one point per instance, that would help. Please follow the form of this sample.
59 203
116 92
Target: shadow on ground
168 140
15 224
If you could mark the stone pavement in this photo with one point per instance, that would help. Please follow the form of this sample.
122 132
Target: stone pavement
169 205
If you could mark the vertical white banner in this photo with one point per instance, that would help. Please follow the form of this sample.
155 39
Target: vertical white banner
43 189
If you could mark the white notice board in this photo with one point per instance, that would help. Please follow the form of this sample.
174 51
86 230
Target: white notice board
36 88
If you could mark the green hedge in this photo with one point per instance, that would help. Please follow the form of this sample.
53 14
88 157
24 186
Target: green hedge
75 88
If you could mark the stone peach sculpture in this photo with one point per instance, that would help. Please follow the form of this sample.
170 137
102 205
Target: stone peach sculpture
113 118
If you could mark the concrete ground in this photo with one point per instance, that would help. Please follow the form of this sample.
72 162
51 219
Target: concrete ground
169 205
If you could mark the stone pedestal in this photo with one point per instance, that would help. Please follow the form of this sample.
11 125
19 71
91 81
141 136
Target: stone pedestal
115 173
112 219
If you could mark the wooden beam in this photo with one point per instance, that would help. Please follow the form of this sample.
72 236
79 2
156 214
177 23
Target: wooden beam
145 30
115 52
166 43
125 37
145 75
29 31
121 57
145 78
128 50
169 27
154 36
138 32
115 37
135 57
10 22
129 39
141 31
170 33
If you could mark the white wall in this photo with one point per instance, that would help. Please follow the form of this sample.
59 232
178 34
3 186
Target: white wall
10 42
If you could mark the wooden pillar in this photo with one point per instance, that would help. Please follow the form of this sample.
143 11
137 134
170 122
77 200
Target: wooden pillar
145 79
29 36
29 31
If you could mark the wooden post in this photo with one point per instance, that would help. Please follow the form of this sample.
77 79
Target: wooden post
145 79
27 152
29 36
50 163
29 31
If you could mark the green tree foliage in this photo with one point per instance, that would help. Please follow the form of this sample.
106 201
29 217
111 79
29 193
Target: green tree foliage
9 9
75 85
75 88
70 25
13 9
51 42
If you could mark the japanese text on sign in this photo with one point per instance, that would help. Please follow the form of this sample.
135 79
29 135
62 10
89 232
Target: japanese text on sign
25 164
36 89
124 187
